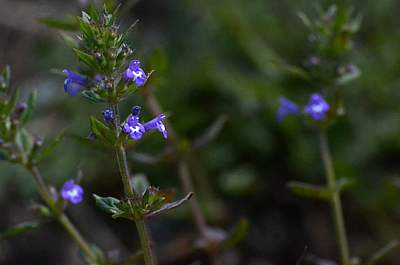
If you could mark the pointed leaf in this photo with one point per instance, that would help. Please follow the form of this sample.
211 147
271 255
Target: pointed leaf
101 131
29 110
21 228
88 94
11 104
107 204
87 59
26 140
53 145
293 70
169 206
383 252
340 19
93 13
309 190
114 15
125 36
5 79
59 24
238 234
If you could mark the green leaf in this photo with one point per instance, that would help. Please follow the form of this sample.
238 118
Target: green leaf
293 70
309 190
125 36
88 94
25 140
102 132
93 13
107 204
114 15
238 234
11 104
53 145
87 59
59 24
5 79
21 228
383 252
340 19
306 21
169 206
29 110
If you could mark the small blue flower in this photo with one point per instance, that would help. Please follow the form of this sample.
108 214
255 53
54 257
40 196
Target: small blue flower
135 72
72 192
317 107
286 108
108 115
156 124
77 82
133 127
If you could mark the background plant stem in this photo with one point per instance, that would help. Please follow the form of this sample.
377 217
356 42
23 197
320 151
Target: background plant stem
335 199
61 217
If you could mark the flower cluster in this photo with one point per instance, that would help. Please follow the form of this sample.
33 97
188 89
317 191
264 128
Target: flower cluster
136 129
317 108
72 192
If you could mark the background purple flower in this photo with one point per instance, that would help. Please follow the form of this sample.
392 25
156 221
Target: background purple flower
317 107
72 192
286 108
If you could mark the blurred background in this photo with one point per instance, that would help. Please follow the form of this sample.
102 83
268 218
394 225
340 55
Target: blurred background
219 57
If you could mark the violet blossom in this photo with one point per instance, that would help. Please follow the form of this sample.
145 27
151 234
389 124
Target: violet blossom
317 107
135 72
286 108
72 192
74 82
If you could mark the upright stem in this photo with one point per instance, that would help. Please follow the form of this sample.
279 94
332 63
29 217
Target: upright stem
149 259
144 240
335 199
61 217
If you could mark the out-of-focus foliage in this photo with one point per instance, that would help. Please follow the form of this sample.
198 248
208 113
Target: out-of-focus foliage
217 61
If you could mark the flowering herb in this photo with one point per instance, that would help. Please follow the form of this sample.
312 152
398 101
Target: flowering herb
77 82
135 72
72 192
317 107
286 108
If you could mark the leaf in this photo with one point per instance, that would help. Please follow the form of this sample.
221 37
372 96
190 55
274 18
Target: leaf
169 206
114 15
88 94
383 252
309 190
238 234
101 131
340 19
5 79
29 110
26 140
59 24
125 36
93 13
11 104
22 228
306 21
293 70
52 146
107 204
87 59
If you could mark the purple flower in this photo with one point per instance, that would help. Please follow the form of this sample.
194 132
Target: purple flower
317 107
286 108
108 115
77 82
133 127
135 72
156 124
72 192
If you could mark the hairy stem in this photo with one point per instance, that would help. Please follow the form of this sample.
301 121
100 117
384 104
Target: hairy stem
61 217
335 199
149 259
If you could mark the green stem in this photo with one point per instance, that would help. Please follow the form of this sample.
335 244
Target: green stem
144 240
61 217
335 199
